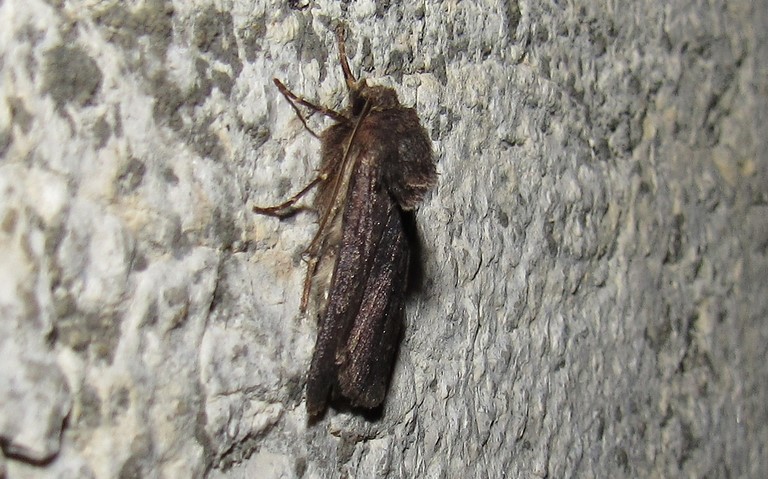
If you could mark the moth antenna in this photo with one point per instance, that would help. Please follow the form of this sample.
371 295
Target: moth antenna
341 35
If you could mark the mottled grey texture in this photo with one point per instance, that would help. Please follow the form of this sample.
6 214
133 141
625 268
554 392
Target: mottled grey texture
595 257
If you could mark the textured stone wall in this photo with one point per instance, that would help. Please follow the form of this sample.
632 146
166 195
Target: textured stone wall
594 259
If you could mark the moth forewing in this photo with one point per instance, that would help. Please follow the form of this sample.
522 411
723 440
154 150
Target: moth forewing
359 330
365 359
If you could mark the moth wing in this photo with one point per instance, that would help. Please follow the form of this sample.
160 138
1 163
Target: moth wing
365 361
358 332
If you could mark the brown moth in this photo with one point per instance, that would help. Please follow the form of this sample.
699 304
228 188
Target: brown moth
376 163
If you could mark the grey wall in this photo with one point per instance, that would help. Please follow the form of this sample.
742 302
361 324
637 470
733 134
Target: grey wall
594 258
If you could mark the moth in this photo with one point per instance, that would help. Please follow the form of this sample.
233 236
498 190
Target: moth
376 165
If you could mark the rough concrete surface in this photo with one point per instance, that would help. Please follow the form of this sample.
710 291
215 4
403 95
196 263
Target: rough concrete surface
594 259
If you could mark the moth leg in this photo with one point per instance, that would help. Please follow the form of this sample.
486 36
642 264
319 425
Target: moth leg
286 208
311 270
312 253
293 99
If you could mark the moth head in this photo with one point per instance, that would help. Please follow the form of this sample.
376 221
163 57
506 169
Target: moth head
378 97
